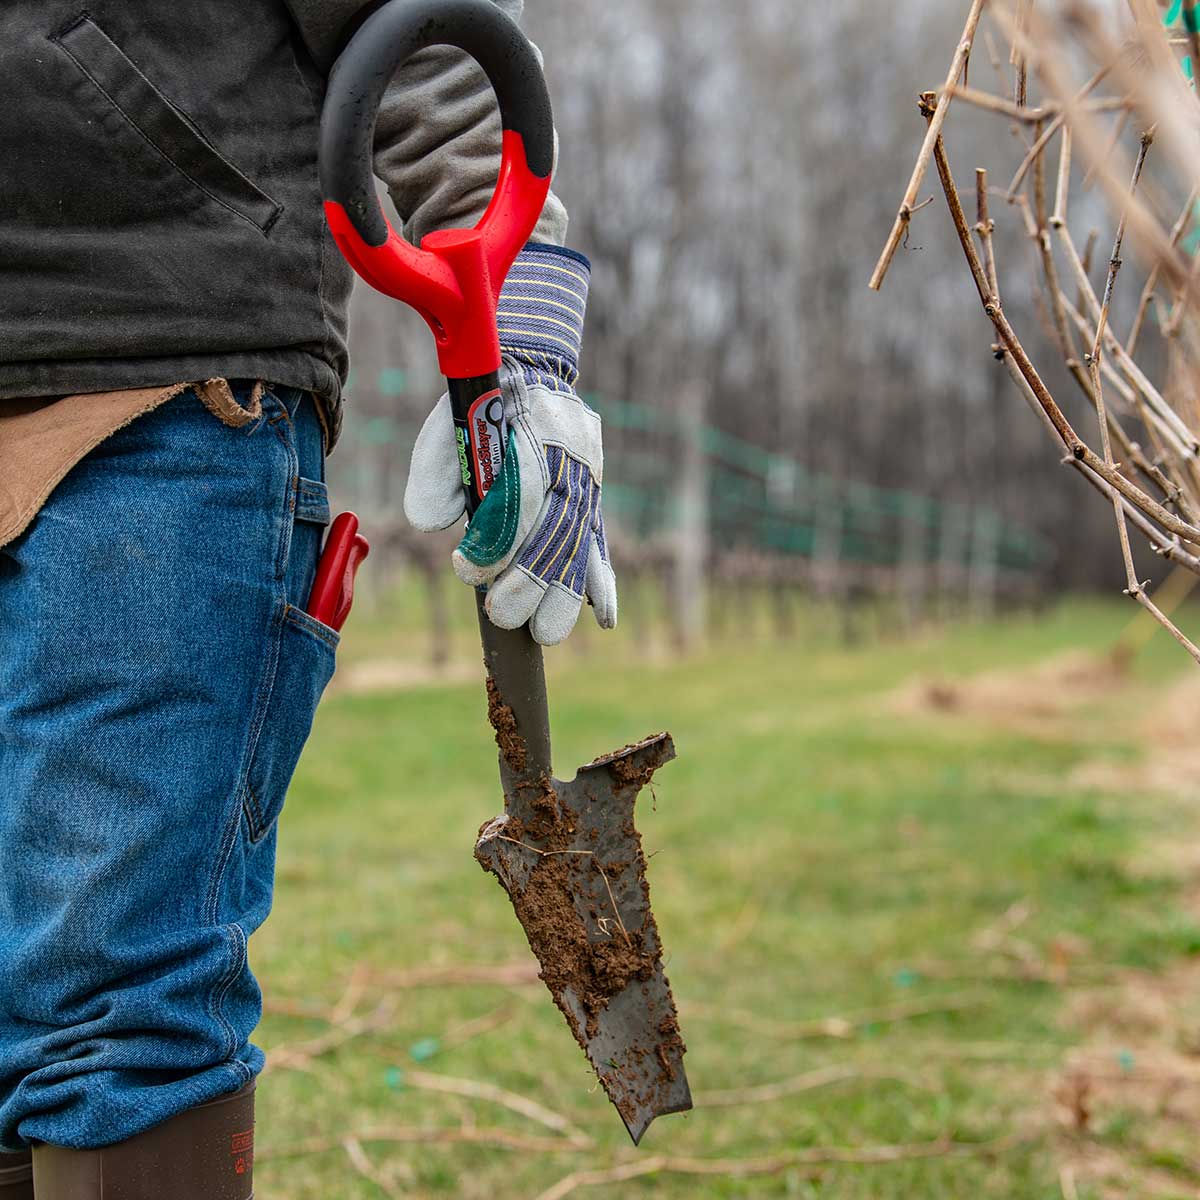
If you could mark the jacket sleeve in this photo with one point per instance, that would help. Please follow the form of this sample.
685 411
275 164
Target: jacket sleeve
437 140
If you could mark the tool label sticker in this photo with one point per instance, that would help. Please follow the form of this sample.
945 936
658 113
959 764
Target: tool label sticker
488 432
464 459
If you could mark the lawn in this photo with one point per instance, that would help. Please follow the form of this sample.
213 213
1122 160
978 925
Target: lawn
929 915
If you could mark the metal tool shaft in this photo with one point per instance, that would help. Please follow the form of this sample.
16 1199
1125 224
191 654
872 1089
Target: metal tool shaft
514 664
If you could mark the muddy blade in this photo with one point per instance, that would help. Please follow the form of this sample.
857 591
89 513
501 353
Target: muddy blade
571 860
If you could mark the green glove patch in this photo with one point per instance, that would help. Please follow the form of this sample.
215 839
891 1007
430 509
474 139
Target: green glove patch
493 528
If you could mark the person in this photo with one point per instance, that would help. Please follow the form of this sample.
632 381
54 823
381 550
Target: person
173 322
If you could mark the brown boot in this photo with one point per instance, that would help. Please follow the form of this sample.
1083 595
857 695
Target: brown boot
206 1153
16 1177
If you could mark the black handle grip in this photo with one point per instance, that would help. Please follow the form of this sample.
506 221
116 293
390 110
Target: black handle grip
387 39
480 433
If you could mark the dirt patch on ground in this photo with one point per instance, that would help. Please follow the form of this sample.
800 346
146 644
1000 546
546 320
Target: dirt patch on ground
1127 1100
1167 728
1045 700
1034 700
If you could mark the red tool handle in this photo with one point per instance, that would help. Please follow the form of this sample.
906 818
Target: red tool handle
454 280
333 588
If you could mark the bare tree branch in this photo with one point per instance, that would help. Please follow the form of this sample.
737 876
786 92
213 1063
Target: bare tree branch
957 65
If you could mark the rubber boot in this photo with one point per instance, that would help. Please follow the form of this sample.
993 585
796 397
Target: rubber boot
16 1177
206 1153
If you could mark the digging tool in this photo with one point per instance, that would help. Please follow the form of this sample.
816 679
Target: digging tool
567 853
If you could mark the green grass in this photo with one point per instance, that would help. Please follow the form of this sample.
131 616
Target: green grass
823 849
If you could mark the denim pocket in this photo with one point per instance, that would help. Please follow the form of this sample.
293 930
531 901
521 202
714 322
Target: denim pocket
311 517
307 651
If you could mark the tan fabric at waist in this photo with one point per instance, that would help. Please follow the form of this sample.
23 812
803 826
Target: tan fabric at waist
41 440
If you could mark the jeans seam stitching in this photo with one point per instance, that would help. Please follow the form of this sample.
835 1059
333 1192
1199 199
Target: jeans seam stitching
319 633
261 700
262 703
254 813
283 550
237 962
227 843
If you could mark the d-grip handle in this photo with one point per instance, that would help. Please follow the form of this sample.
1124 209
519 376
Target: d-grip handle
454 280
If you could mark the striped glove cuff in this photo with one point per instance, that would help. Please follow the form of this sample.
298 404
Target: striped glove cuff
541 311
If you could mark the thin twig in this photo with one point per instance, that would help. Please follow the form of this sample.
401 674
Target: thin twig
767 1093
1193 37
1059 215
1016 127
1171 325
1038 146
1114 265
996 104
464 1031
1115 139
298 1056
1172 489
1114 262
1181 223
961 54
479 1089
521 972
1066 1184
1017 58
1135 588
356 986
745 1168
517 973
984 226
1088 140
366 1168
1008 338
1069 437
1162 545
417 1135
1089 249
840 1027
1136 376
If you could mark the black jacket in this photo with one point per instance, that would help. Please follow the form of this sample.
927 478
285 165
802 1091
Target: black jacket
160 216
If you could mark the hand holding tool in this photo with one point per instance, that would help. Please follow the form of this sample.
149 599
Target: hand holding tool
567 853
537 541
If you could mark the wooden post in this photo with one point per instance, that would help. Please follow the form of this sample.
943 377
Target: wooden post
689 601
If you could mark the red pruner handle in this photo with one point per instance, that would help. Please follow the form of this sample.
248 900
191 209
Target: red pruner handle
454 279
333 588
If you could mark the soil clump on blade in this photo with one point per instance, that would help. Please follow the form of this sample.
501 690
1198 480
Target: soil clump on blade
504 722
558 935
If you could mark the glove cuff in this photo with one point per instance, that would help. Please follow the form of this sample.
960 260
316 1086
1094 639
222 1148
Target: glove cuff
540 315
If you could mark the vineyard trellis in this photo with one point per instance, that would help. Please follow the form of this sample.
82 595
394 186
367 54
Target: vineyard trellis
765 519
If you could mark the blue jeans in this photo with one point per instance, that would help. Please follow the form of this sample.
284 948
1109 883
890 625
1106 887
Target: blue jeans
158 679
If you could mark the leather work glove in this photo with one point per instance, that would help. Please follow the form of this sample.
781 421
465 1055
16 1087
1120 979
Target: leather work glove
537 540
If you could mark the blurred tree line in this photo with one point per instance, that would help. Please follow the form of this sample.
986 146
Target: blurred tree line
731 170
